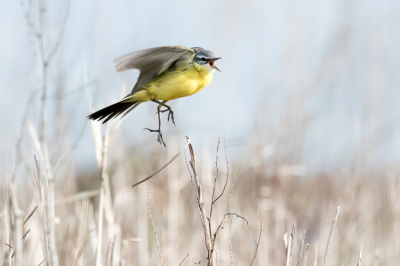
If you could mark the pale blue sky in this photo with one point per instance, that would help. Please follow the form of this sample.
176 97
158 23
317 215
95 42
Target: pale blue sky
321 77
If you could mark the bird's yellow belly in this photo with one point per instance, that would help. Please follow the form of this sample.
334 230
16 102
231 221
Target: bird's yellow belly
173 85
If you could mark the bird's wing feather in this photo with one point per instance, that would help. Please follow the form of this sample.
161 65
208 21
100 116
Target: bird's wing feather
151 62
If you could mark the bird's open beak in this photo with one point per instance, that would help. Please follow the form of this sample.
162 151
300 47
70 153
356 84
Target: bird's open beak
212 63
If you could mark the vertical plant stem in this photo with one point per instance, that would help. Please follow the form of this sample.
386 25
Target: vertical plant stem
101 200
330 233
17 226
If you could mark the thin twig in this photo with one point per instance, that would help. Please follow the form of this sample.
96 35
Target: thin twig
184 259
152 257
230 242
154 228
257 243
227 173
215 183
42 262
162 168
237 215
330 233
60 35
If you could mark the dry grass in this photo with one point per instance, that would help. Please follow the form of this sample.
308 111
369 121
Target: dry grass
368 216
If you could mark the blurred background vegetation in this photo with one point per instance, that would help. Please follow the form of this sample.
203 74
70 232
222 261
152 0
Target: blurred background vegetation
307 101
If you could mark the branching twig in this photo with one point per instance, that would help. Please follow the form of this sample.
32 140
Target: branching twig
215 184
210 237
227 173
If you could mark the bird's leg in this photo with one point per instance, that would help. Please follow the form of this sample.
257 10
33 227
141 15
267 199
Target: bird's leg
169 110
159 138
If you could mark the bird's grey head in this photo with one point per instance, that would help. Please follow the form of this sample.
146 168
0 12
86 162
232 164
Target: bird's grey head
205 57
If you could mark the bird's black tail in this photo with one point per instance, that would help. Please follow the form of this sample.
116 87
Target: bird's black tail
113 111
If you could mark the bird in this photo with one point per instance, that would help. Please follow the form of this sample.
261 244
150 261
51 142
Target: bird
166 73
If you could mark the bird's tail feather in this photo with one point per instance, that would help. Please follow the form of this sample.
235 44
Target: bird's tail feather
127 113
113 111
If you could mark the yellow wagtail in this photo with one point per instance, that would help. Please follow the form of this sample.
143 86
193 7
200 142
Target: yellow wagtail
166 73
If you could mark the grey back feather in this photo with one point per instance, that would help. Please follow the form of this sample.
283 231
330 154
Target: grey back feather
152 62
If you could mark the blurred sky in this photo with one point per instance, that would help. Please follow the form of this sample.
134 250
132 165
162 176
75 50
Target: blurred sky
318 78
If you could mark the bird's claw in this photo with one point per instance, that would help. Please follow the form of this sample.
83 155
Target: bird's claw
159 137
170 115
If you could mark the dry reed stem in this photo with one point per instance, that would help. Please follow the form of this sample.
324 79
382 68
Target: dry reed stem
305 263
42 211
101 200
78 196
110 252
359 258
80 250
330 233
301 249
290 246
17 225
258 242
29 216
316 255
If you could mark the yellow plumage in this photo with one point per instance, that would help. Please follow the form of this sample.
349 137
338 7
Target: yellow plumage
187 79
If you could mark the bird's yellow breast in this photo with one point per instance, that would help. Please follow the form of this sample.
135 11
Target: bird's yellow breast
175 84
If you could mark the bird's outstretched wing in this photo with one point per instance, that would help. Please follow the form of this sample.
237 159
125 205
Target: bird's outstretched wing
152 62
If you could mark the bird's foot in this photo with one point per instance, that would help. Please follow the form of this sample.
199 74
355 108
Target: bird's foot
170 115
159 137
